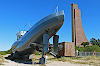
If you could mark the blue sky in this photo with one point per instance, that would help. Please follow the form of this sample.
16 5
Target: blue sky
15 14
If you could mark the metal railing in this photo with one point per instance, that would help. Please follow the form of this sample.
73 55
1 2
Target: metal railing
87 54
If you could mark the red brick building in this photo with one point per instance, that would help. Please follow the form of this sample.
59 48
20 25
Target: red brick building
67 49
78 35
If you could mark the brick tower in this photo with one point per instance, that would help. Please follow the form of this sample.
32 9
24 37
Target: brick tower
78 35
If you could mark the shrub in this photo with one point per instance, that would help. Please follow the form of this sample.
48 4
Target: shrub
5 52
89 48
37 53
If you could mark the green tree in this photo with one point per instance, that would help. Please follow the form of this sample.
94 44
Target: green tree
89 48
85 43
98 42
93 41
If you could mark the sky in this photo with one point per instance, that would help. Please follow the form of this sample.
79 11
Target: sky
16 15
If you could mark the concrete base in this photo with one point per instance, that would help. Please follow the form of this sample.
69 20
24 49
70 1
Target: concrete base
55 43
42 60
45 48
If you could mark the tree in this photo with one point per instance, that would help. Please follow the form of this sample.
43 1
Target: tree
85 43
98 42
93 41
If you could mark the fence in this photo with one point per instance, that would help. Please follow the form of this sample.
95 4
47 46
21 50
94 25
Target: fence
87 54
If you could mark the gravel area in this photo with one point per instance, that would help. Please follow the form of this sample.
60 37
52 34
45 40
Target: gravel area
49 63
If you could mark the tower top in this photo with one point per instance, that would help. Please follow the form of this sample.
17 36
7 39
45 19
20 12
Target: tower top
75 6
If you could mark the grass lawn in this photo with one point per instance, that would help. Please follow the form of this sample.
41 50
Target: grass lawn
91 60
1 60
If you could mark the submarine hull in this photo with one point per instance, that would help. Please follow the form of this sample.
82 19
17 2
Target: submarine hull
49 25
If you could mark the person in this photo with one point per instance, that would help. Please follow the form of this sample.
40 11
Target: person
46 57
77 52
94 53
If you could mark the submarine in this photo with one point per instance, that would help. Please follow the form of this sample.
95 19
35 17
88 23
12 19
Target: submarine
33 38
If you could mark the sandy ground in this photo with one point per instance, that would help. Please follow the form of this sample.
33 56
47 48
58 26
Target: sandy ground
49 63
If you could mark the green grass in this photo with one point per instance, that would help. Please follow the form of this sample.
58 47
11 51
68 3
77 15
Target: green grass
37 52
91 60
5 52
1 60
89 48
